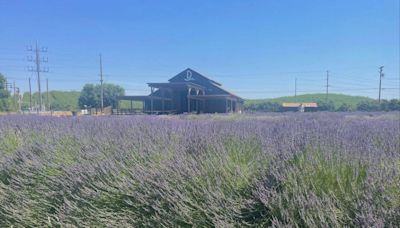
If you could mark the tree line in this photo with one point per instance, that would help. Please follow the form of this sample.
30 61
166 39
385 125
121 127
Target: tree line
364 106
6 104
90 97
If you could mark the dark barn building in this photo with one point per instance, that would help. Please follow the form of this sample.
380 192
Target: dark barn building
188 92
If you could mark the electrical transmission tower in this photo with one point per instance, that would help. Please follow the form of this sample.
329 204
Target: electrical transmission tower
38 69
381 74
30 95
15 94
47 94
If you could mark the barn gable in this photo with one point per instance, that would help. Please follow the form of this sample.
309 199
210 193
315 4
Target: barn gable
190 75
211 87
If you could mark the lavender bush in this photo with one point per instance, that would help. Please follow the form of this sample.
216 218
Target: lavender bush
299 169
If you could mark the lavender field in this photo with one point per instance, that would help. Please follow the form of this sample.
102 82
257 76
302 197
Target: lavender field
299 169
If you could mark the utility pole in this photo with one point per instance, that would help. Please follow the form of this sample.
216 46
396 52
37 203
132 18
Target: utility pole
295 89
101 85
327 85
47 94
38 69
30 95
381 74
19 100
15 94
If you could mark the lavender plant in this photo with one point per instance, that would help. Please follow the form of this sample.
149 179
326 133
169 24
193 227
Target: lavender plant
299 169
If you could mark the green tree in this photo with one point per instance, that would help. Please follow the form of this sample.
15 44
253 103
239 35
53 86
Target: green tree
345 108
264 107
88 96
326 106
59 100
91 95
394 105
384 105
4 94
368 106
111 92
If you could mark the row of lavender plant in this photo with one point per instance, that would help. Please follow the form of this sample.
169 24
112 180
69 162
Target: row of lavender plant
320 169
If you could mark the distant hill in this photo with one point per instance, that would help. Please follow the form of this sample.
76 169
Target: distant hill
337 99
59 100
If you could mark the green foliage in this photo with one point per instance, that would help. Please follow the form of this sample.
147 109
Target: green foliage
263 106
331 186
127 104
390 105
231 173
91 95
336 102
337 99
393 191
235 166
10 141
64 100
326 106
4 95
368 106
59 100
88 96
345 108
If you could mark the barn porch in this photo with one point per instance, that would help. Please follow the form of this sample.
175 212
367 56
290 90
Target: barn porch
187 92
166 98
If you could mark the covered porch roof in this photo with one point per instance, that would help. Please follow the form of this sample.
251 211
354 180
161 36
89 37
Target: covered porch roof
142 98
214 97
175 85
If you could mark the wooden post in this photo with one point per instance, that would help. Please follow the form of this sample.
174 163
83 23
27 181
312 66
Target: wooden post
131 106
162 101
197 101
189 99
117 106
151 100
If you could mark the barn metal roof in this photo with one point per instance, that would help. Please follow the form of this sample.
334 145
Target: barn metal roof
175 85
142 98
214 97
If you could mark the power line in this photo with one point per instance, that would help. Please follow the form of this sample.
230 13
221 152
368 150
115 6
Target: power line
15 97
30 95
47 94
380 82
38 68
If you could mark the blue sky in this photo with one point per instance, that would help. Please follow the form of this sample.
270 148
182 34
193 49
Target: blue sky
254 48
